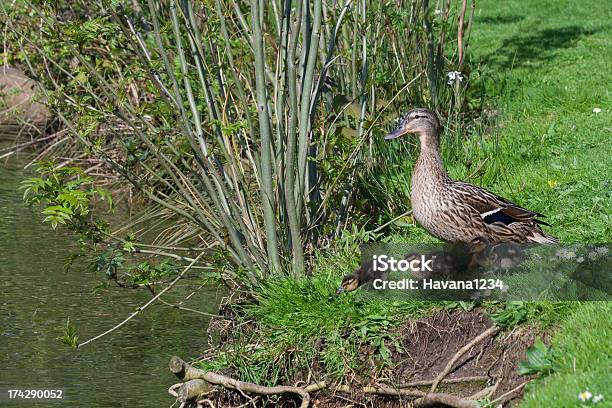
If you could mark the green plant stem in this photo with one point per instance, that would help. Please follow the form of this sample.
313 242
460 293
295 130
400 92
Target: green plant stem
267 193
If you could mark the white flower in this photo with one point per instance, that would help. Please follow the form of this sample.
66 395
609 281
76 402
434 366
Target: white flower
438 12
580 259
596 110
597 398
454 76
584 396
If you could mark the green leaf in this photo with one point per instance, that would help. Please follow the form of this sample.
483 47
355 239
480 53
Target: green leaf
513 314
70 337
384 351
538 360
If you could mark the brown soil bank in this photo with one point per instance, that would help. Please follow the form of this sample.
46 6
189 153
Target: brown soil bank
22 111
452 358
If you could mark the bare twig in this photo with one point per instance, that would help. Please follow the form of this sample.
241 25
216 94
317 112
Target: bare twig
449 366
20 146
187 309
141 308
512 391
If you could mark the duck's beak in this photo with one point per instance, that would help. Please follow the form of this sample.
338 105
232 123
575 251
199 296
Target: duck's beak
340 290
397 133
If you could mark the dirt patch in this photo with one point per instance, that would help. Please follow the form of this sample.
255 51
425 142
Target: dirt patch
428 344
431 342
423 349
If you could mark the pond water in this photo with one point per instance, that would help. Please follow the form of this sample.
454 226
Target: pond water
37 296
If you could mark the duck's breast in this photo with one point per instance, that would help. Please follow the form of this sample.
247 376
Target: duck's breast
435 210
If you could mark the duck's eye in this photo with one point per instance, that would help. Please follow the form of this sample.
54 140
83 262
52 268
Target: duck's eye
417 117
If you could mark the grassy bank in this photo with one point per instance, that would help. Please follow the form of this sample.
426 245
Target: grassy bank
555 59
582 355
546 70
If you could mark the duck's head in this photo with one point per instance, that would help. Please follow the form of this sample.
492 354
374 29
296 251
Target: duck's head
418 121
349 284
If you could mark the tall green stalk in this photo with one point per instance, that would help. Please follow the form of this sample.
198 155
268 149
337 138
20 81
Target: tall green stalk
268 200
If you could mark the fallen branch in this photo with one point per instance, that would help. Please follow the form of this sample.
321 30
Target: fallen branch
382 390
186 372
197 382
445 381
433 399
192 389
449 366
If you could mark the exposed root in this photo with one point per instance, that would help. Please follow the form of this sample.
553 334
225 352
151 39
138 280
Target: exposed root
421 383
449 366
173 389
197 382
433 399
188 373
192 389
485 393
503 397
382 390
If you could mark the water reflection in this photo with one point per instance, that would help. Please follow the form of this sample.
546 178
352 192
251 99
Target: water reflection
127 368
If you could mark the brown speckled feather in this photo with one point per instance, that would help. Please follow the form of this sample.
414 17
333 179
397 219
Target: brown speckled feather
484 201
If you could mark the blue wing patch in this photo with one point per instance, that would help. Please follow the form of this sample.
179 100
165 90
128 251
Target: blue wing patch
498 216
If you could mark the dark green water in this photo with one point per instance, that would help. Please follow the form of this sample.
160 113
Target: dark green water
37 296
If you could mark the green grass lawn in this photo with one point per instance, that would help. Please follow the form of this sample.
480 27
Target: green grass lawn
555 58
582 357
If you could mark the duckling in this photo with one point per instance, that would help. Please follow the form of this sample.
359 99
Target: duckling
451 260
363 274
455 211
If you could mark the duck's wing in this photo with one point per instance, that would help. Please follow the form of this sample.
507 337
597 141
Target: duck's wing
493 208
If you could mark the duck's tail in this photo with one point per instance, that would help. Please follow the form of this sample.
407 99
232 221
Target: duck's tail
540 237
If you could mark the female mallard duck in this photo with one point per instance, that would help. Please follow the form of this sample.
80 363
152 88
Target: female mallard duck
455 211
